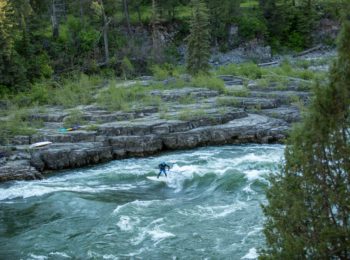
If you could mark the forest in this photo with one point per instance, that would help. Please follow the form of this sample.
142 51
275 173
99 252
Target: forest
51 40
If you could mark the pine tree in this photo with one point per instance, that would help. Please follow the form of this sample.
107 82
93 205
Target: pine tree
199 39
309 201
157 48
12 70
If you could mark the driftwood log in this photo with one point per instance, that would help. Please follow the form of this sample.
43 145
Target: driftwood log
316 48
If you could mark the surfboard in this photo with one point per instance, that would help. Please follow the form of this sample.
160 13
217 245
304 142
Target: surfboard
160 179
40 144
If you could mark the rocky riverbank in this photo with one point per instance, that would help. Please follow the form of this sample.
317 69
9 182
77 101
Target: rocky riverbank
143 132
194 117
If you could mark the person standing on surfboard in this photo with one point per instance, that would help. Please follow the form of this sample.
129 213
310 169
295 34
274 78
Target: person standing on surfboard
162 169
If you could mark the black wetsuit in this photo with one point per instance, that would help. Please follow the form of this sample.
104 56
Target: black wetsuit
162 169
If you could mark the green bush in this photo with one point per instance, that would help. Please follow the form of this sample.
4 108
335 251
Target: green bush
122 98
241 93
127 68
75 117
74 92
18 122
39 94
204 81
188 99
189 114
251 26
247 70
230 102
160 73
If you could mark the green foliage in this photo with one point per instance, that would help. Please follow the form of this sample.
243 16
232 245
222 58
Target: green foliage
29 54
244 92
74 92
166 70
127 68
231 102
222 13
160 72
205 81
191 114
124 98
75 117
198 41
307 216
251 27
290 23
17 122
91 127
116 98
248 70
188 99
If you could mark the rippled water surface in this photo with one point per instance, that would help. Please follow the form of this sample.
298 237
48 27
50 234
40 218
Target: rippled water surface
209 208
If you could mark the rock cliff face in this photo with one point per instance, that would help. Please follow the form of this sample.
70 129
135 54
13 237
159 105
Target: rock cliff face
252 129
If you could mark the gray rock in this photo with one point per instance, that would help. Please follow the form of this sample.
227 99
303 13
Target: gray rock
64 156
18 170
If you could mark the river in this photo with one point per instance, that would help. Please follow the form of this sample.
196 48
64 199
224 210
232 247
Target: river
208 209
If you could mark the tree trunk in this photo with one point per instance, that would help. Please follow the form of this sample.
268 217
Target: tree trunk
81 10
54 19
105 38
105 33
126 14
138 14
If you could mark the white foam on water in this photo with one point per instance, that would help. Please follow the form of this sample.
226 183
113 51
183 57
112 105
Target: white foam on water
60 254
158 235
138 204
254 174
152 231
126 223
36 189
212 212
248 189
186 168
252 254
37 257
113 257
176 180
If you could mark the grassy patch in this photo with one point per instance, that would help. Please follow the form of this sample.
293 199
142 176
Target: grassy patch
17 122
164 71
74 118
190 114
125 98
74 92
92 127
204 81
231 102
245 92
185 100
246 70
276 74
117 98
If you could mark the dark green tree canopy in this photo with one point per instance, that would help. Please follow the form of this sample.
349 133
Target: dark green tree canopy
199 39
309 201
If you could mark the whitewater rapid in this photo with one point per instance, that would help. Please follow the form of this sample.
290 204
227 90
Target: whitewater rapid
208 208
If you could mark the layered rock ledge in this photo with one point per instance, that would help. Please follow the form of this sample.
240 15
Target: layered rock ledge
206 118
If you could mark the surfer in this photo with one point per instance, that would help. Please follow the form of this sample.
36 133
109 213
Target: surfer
162 169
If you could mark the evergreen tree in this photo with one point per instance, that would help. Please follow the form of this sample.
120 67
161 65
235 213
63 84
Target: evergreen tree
222 13
199 39
157 48
12 71
309 201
